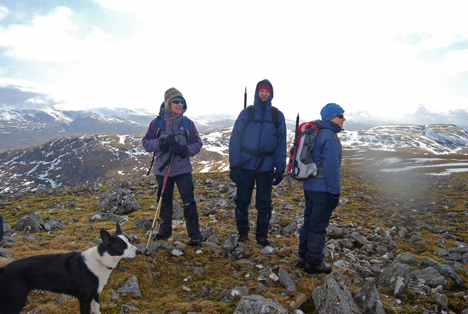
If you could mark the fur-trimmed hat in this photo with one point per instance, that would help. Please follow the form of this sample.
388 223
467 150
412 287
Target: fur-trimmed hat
170 94
330 111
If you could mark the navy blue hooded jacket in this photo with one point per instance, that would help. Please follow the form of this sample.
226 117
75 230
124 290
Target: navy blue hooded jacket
327 148
260 137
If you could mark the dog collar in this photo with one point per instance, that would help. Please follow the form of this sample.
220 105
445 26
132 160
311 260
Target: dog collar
108 267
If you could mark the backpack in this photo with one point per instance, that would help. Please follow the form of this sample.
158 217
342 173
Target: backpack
159 123
250 119
301 167
274 115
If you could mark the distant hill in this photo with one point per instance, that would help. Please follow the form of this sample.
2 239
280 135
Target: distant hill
88 159
27 127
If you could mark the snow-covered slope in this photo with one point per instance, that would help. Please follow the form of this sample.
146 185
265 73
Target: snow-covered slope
82 159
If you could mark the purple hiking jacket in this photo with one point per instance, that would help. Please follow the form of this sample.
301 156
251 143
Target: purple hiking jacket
151 144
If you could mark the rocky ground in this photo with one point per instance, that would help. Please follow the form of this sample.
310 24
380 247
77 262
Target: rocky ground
398 243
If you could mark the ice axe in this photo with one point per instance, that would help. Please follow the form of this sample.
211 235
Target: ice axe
157 219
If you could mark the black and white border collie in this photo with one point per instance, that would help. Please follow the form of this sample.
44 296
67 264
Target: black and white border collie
82 275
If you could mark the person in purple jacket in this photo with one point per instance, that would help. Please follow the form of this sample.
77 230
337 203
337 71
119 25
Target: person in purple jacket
322 192
172 140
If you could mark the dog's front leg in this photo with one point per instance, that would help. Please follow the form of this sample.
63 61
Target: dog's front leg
95 305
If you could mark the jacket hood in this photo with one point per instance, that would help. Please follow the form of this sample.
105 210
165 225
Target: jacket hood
257 99
328 125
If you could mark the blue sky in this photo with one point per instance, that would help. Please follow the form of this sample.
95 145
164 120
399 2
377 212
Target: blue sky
382 61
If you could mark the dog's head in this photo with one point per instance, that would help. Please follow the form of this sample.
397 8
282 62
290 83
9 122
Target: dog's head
116 245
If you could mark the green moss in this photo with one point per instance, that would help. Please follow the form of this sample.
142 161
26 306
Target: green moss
309 307
407 295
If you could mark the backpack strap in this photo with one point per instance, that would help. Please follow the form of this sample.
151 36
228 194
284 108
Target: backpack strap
159 124
186 129
274 116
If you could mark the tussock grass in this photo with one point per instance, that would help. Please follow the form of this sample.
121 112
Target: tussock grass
376 200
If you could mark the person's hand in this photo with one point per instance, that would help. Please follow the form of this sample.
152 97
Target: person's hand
335 200
165 143
180 150
278 177
235 175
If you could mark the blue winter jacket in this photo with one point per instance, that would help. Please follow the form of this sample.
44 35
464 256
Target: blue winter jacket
260 137
327 153
151 144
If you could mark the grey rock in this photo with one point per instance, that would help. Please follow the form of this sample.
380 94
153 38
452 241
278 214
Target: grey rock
268 250
121 220
56 223
334 297
431 276
290 228
230 295
153 247
396 277
254 304
177 211
30 223
407 258
130 287
118 201
368 298
229 243
442 300
443 269
287 280
129 309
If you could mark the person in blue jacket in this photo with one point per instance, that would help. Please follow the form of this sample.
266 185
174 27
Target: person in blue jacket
170 139
322 193
257 155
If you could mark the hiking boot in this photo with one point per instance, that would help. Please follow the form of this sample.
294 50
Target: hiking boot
263 241
300 263
195 242
243 237
159 236
320 269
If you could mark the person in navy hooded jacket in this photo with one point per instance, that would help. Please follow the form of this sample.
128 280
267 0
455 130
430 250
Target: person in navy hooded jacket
322 193
171 140
257 155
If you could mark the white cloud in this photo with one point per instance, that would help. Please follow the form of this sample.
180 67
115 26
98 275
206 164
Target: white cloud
3 12
360 54
49 39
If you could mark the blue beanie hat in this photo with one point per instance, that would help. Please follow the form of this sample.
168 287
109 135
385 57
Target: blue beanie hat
330 111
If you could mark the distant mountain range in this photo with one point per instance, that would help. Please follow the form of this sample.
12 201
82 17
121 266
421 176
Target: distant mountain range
27 127
90 159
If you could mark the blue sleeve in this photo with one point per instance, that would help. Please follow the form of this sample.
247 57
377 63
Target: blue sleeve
235 141
195 141
332 161
280 153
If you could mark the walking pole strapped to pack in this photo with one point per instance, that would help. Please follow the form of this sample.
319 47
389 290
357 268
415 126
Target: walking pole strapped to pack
157 219
292 152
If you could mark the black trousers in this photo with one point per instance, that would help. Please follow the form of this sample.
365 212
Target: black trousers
185 186
1 227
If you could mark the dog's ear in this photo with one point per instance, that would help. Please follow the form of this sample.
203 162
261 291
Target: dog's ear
118 230
105 236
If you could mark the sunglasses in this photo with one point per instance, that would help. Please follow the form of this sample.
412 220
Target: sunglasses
341 116
178 101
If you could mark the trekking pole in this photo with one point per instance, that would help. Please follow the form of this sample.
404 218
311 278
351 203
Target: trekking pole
157 219
292 170
245 98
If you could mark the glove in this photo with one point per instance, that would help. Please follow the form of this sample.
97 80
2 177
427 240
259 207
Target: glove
180 150
334 201
235 175
278 177
165 143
